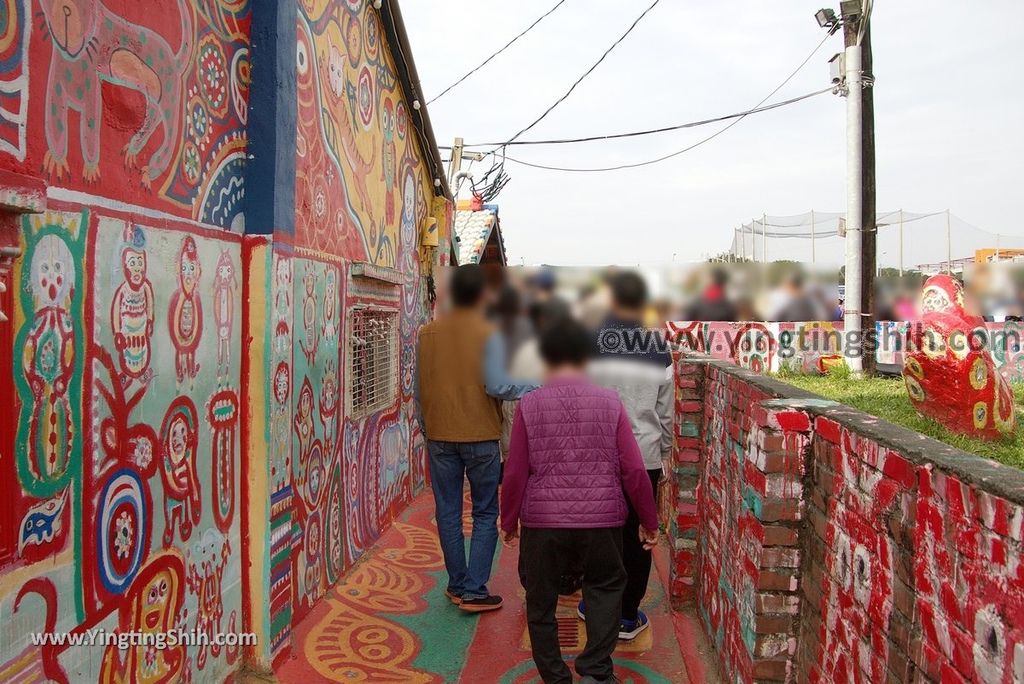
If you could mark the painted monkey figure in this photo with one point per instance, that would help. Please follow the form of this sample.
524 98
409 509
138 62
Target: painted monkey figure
132 310
179 442
185 315
48 357
152 607
93 45
224 286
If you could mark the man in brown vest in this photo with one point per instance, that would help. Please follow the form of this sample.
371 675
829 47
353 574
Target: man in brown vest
461 379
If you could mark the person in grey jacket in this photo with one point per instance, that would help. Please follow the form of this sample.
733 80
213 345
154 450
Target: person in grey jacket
635 362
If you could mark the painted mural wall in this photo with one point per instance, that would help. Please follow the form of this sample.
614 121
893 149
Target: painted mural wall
121 475
363 195
179 388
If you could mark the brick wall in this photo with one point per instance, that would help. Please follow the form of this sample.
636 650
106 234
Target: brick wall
822 545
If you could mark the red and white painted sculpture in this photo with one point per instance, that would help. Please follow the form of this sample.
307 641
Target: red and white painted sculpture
949 373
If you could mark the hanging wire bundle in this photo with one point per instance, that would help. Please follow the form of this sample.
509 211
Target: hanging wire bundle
494 181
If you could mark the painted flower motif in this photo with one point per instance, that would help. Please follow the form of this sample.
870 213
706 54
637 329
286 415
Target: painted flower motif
123 537
149 659
320 203
198 124
143 454
191 163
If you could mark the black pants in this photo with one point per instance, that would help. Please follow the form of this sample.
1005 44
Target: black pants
635 558
545 554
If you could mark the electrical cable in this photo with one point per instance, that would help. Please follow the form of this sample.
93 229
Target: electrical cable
652 131
696 144
586 73
486 61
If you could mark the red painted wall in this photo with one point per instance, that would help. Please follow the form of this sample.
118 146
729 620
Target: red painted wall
830 547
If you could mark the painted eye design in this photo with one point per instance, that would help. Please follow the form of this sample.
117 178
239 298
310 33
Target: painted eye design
861 574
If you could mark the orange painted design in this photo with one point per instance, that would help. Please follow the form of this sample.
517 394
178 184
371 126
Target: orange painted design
355 641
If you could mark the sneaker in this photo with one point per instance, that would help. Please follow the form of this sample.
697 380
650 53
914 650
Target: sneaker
455 598
481 605
589 679
581 610
630 629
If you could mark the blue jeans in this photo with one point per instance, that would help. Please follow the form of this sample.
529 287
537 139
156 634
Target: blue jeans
480 462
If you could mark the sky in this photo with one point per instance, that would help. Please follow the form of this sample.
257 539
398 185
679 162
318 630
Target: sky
949 120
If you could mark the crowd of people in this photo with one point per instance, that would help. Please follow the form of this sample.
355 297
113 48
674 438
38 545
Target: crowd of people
562 438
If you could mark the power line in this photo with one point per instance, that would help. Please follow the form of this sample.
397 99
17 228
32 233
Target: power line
506 46
586 73
652 131
698 143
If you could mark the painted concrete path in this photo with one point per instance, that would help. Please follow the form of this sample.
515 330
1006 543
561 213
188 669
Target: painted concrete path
388 620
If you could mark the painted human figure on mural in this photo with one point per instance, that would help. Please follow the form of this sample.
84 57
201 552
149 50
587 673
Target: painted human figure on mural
205 578
93 45
48 357
329 327
389 156
304 419
329 390
312 341
185 315
132 309
151 607
179 442
224 286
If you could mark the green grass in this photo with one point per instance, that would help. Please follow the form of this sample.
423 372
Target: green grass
887 399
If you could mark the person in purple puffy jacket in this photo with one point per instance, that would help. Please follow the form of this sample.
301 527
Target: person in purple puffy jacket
572 462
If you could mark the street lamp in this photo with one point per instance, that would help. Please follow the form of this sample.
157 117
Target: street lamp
826 17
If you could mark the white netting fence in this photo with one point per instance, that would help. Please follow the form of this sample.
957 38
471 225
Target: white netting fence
906 239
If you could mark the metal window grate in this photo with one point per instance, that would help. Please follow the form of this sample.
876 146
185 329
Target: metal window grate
373 360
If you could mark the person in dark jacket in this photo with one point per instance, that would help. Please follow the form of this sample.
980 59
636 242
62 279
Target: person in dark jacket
572 463
634 361
713 304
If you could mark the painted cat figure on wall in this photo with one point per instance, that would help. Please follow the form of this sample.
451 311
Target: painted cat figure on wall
92 45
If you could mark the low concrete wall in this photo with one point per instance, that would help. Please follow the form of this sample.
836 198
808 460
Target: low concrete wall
821 544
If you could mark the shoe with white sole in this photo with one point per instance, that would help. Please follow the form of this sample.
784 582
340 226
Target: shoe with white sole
630 629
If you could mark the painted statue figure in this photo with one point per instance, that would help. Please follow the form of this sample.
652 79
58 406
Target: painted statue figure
312 341
204 578
132 311
224 286
185 316
48 357
151 608
949 373
179 441
93 45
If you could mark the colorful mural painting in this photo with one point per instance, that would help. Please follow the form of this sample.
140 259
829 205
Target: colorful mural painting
139 473
816 346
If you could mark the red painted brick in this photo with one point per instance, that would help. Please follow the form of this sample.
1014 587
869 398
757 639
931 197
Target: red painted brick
793 421
827 429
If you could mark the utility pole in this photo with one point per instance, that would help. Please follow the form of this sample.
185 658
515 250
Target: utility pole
860 190
456 163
